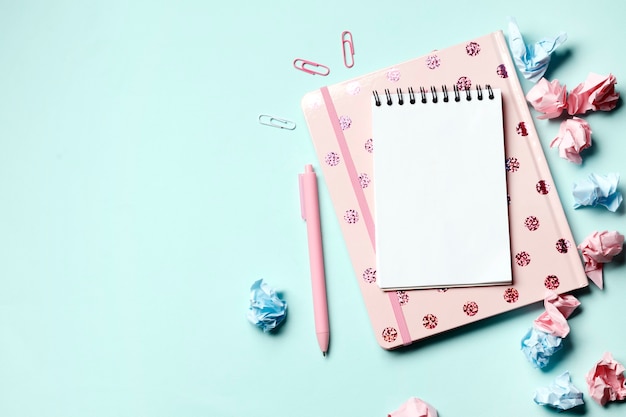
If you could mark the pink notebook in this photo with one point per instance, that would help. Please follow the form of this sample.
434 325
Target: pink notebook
543 252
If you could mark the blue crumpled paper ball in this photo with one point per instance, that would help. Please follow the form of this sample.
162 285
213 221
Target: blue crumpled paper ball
561 394
538 347
267 311
598 190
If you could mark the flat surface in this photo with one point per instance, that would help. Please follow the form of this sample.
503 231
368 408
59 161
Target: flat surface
141 199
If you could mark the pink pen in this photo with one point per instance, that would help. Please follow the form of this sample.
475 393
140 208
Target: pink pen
309 204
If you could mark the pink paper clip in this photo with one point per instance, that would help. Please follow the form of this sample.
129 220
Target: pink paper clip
303 64
347 44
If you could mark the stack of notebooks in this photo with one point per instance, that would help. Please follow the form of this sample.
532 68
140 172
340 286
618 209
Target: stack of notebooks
442 190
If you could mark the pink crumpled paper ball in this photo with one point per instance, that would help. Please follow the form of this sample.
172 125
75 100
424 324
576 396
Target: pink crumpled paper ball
558 309
599 248
606 380
414 407
574 136
548 97
596 93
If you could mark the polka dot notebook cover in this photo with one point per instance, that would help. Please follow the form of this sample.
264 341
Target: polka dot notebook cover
543 252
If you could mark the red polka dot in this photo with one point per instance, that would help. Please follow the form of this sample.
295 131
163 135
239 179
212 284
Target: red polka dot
563 245
551 282
521 129
522 258
543 187
430 321
470 308
511 164
531 223
389 334
511 295
472 49
464 83
501 71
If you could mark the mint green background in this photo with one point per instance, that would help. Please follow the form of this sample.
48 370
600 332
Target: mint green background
141 199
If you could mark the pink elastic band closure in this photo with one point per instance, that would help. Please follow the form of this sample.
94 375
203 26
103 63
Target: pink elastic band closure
363 206
397 311
354 178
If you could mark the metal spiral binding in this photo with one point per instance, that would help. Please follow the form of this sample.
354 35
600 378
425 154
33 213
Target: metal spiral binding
434 95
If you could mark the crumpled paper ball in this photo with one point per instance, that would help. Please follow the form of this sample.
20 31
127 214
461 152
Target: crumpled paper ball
597 249
558 309
574 137
414 407
598 190
548 97
597 92
606 380
532 59
267 311
538 347
561 394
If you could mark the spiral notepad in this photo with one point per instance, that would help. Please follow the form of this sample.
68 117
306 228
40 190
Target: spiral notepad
441 210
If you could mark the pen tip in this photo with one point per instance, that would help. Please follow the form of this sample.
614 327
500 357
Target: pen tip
324 354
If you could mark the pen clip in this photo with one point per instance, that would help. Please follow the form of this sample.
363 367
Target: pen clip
301 186
319 69
347 45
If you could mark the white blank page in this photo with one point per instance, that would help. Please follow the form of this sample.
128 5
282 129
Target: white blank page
440 193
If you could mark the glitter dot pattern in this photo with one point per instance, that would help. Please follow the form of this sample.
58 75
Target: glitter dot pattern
403 297
345 122
464 83
563 245
501 71
432 61
353 88
551 282
470 308
430 321
472 49
531 223
332 159
511 295
389 334
511 164
521 129
522 258
364 180
393 75
369 275
351 216
543 187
